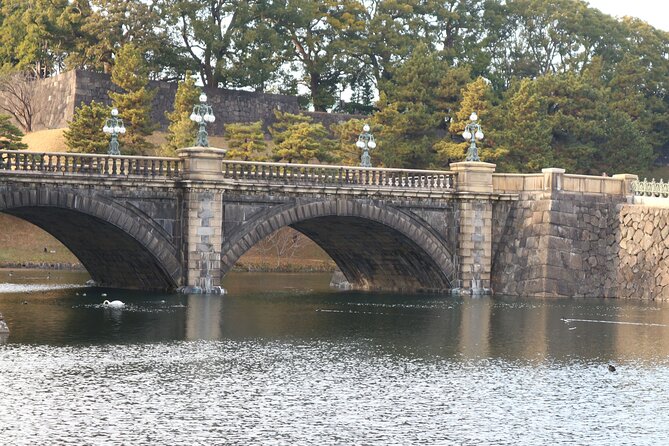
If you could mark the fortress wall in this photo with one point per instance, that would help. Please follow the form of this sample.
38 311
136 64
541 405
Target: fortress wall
57 97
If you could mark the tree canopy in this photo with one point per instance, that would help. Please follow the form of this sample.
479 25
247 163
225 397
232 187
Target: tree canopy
566 72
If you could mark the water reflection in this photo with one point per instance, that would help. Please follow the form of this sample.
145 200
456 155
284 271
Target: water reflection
203 317
282 359
302 307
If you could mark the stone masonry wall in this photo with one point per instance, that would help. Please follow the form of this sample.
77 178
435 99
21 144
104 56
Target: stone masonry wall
57 97
556 244
643 257
53 102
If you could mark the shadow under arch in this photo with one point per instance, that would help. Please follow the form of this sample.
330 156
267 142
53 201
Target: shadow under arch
375 246
119 247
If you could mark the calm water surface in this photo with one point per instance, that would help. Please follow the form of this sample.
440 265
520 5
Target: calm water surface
283 360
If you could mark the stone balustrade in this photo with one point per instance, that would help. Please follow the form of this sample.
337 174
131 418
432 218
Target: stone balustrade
650 188
89 164
321 174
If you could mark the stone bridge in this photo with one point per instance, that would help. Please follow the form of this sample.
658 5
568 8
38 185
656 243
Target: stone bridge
164 223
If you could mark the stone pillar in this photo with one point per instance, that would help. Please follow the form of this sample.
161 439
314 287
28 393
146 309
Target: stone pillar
553 179
474 251
626 184
202 218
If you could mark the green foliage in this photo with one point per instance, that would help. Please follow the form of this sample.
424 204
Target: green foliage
10 135
131 74
113 24
411 115
84 134
246 141
476 96
181 130
346 135
584 69
298 140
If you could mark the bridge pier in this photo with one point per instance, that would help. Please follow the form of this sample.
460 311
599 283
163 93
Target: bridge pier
202 217
474 245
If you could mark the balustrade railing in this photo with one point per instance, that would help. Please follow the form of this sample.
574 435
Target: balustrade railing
91 164
283 173
651 188
326 175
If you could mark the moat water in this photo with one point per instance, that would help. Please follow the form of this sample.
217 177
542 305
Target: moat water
284 360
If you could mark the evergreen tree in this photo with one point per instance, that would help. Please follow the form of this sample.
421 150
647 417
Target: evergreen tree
520 128
246 141
410 112
181 130
84 134
10 135
476 97
134 105
298 140
346 134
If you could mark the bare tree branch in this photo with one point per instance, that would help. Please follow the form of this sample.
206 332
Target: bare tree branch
283 244
17 95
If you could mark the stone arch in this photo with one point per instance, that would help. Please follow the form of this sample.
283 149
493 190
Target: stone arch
375 246
118 245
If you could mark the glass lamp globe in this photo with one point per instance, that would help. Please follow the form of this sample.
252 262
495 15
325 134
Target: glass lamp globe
114 111
203 97
467 135
122 130
106 129
365 128
478 135
360 144
371 145
193 117
473 116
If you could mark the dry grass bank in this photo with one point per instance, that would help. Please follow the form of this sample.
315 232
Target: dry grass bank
23 242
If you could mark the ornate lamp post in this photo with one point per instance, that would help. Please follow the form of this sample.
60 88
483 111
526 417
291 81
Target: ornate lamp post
366 142
472 133
202 113
114 126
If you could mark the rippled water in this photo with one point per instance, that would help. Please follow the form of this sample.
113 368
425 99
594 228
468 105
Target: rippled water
301 364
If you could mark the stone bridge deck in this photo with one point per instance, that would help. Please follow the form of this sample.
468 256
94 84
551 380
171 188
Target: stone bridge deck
161 223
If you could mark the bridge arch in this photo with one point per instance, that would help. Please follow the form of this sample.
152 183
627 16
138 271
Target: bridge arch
119 246
375 246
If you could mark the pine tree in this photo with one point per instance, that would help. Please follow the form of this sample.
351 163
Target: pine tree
476 97
10 135
134 105
346 134
520 128
298 140
246 141
84 134
181 131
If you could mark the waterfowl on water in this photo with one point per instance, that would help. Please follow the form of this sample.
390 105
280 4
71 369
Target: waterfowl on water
611 368
113 304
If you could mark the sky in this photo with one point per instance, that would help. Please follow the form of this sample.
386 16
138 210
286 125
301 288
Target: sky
655 12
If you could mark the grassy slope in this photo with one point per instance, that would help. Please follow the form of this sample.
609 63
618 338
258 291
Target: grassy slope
23 242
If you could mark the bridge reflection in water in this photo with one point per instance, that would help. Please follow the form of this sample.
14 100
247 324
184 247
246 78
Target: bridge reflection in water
301 308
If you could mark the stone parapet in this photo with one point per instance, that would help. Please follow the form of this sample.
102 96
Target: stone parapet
553 179
474 176
201 163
